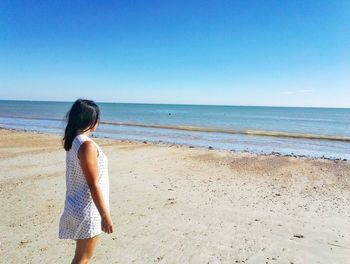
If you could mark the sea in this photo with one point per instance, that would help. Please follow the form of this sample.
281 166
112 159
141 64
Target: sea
296 131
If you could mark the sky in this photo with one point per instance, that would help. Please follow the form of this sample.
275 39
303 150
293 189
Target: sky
278 53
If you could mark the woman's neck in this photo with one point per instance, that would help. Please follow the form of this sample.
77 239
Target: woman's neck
86 133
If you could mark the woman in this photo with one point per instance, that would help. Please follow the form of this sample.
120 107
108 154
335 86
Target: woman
86 211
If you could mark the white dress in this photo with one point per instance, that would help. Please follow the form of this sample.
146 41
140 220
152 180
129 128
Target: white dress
80 218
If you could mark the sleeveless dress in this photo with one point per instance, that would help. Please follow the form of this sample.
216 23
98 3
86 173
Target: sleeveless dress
80 218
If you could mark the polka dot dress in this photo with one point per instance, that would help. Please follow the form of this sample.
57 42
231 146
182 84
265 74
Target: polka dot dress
80 218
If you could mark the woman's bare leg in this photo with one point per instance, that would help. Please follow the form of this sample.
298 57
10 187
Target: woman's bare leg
84 250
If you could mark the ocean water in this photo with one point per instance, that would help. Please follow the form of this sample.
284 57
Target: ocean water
313 132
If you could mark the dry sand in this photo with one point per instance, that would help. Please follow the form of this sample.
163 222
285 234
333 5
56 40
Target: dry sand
174 204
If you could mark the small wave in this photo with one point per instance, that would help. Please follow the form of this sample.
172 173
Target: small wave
32 118
232 131
210 129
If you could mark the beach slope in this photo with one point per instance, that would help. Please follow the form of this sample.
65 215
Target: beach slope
175 204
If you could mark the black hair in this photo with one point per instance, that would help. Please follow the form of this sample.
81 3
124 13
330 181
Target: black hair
83 115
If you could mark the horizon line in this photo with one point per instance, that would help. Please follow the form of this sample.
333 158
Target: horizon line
104 102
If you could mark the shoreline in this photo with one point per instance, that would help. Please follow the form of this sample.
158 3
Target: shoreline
160 142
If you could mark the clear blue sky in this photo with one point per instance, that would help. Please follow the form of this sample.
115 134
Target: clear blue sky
289 53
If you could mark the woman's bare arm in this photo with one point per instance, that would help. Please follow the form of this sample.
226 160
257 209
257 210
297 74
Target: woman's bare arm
87 155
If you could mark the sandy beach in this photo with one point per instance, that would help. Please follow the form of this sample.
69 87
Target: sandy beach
175 204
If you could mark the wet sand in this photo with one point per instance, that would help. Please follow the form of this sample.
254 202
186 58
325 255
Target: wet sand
175 204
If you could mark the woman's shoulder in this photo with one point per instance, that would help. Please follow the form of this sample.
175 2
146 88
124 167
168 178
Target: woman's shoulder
78 141
81 138
84 138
